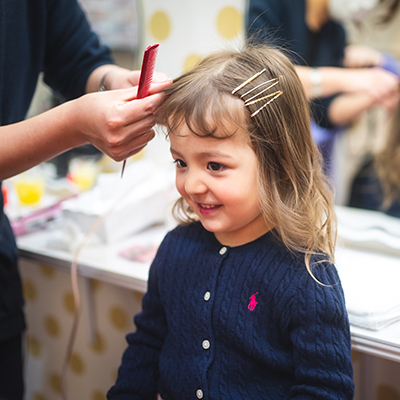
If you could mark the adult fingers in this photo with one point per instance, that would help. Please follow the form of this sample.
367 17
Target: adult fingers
132 111
132 146
158 86
160 77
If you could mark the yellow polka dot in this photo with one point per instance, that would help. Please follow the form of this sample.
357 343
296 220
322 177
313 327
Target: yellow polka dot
29 289
97 395
138 297
160 25
229 22
55 382
52 325
38 396
69 303
99 345
115 375
47 271
355 355
386 392
95 284
190 61
76 364
34 346
118 318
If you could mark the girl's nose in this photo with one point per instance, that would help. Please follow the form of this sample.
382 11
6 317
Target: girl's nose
194 184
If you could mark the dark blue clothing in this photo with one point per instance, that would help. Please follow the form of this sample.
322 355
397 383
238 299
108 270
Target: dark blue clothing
52 36
282 23
246 322
366 191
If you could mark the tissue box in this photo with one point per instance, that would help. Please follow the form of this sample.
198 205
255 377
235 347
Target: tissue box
123 207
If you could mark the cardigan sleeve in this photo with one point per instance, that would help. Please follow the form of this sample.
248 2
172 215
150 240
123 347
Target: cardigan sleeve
138 374
320 335
72 49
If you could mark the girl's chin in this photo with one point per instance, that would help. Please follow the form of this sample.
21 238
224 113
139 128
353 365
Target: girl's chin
211 227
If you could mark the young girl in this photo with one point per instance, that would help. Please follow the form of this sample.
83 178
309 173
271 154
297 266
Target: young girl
243 300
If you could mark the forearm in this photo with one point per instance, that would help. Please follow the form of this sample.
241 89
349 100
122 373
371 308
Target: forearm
98 77
37 139
348 107
112 77
333 80
376 82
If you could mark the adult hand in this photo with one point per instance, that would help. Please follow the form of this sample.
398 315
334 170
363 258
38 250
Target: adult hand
115 122
357 56
377 82
390 102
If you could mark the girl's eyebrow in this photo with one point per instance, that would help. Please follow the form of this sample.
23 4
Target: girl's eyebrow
205 154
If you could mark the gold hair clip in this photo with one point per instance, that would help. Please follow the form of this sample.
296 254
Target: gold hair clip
265 105
248 103
250 100
248 81
262 91
256 87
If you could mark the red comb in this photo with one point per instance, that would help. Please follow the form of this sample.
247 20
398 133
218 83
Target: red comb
147 71
146 76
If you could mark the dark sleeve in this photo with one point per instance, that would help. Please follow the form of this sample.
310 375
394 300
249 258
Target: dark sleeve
73 50
320 111
366 191
320 335
138 374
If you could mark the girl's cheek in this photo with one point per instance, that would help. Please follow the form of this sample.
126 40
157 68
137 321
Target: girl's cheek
180 186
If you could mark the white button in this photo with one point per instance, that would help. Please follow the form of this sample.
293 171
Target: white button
222 250
207 296
199 393
206 344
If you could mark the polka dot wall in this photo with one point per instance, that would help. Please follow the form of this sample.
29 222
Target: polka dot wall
187 30
100 340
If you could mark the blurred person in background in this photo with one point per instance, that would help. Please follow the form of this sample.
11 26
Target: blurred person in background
341 81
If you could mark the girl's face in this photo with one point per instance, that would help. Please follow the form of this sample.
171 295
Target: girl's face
218 179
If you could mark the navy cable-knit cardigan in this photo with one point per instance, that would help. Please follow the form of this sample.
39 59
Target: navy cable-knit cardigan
245 322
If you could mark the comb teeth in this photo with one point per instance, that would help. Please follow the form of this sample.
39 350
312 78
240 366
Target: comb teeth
146 76
147 71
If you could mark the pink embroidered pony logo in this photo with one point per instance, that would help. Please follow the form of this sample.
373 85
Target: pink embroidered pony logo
253 302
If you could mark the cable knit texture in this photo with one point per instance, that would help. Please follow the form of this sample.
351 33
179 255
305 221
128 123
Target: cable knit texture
245 322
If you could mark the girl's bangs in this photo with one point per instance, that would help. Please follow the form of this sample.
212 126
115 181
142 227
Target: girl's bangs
216 116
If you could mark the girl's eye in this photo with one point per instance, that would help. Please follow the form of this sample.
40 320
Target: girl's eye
214 166
179 163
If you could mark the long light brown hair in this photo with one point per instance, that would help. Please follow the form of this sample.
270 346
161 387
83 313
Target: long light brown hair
293 190
387 163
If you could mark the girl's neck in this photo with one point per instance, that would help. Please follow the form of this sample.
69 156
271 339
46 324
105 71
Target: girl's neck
317 14
232 239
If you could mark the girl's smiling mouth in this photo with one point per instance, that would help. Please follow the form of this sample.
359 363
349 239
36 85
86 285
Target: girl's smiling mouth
207 208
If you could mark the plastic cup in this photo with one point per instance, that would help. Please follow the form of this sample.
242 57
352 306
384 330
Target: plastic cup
30 186
83 172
